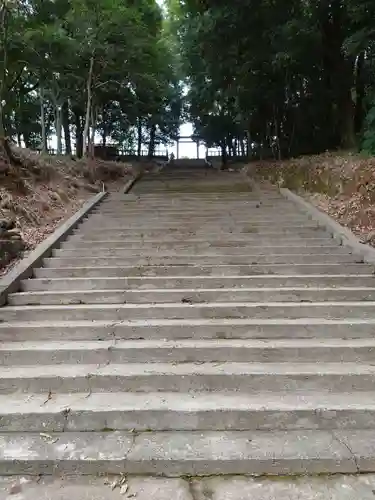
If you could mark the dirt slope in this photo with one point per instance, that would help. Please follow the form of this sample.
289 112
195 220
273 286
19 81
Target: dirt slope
39 192
340 184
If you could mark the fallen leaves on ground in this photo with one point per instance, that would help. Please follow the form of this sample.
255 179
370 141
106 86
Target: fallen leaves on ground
41 191
340 184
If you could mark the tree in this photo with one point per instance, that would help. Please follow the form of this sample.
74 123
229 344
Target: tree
83 66
292 77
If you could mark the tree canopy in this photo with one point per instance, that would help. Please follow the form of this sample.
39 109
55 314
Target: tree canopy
292 77
87 67
260 76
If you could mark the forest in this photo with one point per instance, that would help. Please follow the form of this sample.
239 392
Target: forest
291 78
79 69
255 77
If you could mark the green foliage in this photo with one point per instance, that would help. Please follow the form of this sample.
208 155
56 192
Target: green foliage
368 144
108 63
290 77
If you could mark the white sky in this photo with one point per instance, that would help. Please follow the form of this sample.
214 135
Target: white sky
188 150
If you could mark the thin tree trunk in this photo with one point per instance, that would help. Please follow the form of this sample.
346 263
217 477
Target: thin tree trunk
93 131
224 155
242 146
248 145
104 121
43 120
3 73
88 104
58 126
27 140
151 146
360 93
79 132
139 137
66 127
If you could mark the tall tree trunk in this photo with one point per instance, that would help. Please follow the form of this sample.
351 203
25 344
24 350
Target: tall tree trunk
79 131
248 142
27 139
139 137
338 74
4 59
93 131
44 146
224 155
277 133
360 93
58 126
88 104
348 139
66 126
233 147
242 146
151 145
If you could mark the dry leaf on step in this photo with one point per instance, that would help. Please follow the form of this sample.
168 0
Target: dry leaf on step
47 438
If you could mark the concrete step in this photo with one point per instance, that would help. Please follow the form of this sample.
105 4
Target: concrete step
214 310
209 209
188 453
230 247
283 238
182 205
307 328
165 411
201 271
207 214
293 350
217 487
145 296
265 230
199 282
203 220
212 239
230 241
83 259
179 204
196 201
227 246
186 377
269 234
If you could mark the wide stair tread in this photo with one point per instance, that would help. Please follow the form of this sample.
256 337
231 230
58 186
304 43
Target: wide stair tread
187 330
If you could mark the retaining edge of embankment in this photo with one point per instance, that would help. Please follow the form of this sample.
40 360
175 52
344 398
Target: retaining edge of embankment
10 283
338 232
24 269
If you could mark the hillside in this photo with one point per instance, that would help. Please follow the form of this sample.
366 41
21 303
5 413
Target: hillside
38 192
340 184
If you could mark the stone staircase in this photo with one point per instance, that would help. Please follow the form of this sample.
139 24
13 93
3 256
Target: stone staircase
191 328
188 164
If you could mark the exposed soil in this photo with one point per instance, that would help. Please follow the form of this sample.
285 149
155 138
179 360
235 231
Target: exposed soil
38 192
340 184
